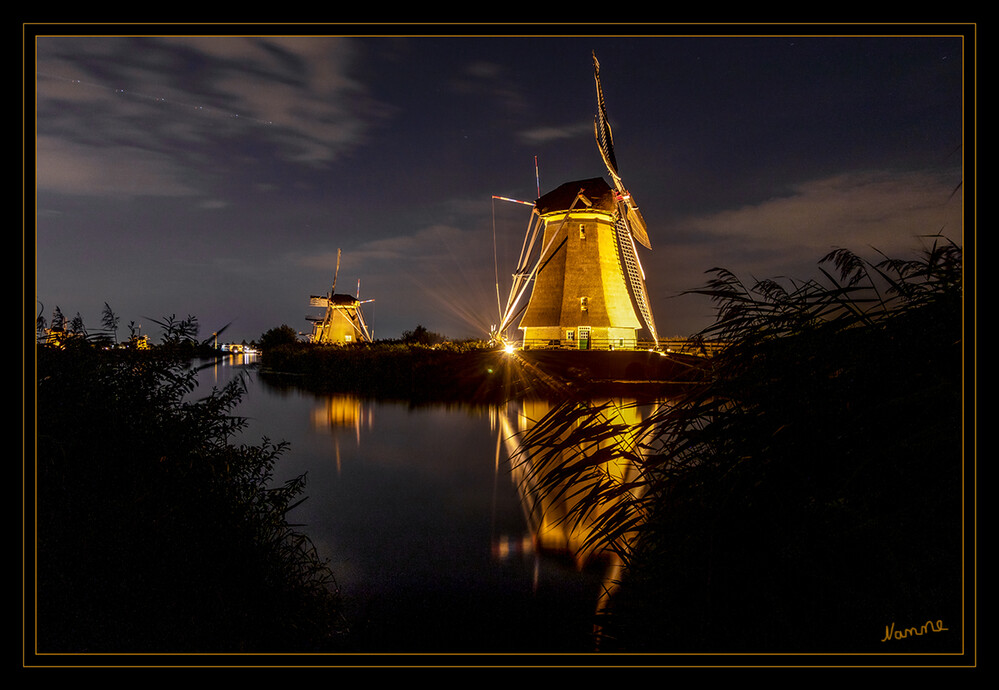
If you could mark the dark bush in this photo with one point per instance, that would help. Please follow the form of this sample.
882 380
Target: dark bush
155 533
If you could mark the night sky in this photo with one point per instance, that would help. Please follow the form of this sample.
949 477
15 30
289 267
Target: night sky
218 176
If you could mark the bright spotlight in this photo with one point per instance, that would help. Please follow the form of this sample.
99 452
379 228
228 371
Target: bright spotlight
508 348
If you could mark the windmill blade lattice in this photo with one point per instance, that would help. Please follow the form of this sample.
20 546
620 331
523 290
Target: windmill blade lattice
605 142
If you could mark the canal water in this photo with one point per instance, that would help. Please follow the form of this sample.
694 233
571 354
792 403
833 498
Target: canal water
425 525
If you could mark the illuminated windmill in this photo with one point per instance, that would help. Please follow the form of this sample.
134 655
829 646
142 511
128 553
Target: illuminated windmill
342 321
588 283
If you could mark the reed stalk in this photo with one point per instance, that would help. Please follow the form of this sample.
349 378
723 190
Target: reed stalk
810 492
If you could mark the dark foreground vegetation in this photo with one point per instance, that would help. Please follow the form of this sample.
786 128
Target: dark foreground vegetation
809 497
155 532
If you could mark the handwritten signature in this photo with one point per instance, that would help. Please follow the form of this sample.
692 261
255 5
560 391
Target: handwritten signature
927 627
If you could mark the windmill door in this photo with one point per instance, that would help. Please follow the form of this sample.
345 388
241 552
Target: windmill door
584 338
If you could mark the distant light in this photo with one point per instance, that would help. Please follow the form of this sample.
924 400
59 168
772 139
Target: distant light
508 348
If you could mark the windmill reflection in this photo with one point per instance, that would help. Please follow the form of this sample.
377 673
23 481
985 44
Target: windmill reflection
570 480
575 468
342 412
575 492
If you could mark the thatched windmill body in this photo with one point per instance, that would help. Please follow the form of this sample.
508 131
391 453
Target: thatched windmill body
342 322
581 265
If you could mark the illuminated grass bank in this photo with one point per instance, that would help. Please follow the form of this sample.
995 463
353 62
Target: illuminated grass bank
472 373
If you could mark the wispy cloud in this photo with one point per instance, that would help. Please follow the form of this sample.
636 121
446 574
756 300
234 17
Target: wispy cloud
543 135
870 213
183 99
886 210
482 79
124 170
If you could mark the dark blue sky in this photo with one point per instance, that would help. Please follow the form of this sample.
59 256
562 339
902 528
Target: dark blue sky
218 176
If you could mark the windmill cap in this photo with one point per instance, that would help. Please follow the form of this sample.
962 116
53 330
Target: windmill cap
596 190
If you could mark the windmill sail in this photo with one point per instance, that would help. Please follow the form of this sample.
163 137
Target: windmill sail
602 129
631 225
605 142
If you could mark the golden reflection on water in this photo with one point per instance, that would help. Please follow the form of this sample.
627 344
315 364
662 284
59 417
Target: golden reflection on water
561 517
555 524
551 511
342 412
549 514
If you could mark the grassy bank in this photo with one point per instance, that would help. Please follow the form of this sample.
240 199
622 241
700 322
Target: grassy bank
473 373
458 373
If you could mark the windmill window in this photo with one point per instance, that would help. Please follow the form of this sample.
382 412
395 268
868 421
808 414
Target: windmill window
584 303
570 335
582 231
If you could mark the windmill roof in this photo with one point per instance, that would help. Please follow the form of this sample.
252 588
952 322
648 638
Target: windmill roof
595 189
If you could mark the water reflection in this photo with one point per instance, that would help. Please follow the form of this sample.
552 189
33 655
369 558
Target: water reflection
219 371
334 415
558 517
342 412
551 509
578 485
438 542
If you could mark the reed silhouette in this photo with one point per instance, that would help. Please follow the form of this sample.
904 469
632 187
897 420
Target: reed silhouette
809 492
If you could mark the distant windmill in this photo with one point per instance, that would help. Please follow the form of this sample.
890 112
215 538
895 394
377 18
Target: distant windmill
342 322
588 284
